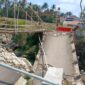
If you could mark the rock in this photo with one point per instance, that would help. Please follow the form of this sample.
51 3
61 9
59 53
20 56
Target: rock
11 59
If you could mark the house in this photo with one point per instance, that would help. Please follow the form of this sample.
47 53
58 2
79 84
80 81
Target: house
71 21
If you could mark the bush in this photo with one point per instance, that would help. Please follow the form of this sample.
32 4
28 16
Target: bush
28 45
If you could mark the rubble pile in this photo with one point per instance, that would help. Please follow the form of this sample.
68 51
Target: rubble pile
12 60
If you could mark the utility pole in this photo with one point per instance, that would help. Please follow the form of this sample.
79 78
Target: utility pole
15 14
58 17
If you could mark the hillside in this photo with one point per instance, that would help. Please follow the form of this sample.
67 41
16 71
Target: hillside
22 24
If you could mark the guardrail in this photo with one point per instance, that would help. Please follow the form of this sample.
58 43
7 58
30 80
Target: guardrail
26 73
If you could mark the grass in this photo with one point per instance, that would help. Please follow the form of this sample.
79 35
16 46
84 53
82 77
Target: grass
21 22
11 24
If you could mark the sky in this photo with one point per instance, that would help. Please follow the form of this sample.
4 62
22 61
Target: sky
65 5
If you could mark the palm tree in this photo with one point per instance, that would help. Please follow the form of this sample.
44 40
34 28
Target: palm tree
5 4
68 13
24 3
1 2
53 7
44 6
62 14
30 4
36 7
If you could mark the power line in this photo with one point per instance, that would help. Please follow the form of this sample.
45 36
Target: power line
15 14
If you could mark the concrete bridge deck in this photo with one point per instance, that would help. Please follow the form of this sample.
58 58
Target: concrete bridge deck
59 52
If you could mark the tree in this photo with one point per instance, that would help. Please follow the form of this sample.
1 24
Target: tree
36 8
4 6
30 4
45 6
22 3
1 2
68 14
62 14
53 7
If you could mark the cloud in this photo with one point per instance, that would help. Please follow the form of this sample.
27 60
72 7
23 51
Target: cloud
65 5
68 1
70 5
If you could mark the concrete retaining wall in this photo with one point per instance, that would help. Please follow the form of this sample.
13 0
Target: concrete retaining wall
75 63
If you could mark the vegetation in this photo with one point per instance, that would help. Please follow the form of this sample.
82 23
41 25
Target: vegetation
28 45
80 48
46 13
7 10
